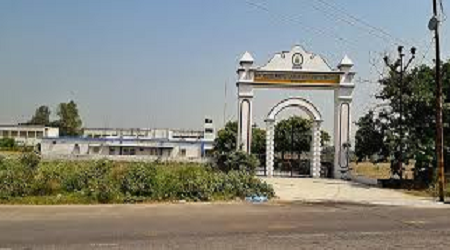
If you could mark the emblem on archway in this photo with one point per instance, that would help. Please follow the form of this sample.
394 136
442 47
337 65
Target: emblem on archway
297 69
297 61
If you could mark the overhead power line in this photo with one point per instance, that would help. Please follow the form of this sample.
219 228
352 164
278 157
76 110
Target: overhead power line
373 30
321 32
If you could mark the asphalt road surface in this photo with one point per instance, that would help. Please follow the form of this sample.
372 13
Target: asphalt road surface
224 226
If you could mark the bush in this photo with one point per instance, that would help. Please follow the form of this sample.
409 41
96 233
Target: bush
30 160
111 182
7 144
15 179
238 161
139 180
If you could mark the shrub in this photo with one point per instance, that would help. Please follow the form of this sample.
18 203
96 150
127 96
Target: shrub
8 143
15 179
107 182
99 184
30 160
138 180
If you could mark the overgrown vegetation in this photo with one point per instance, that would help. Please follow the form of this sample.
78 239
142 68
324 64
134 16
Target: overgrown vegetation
8 144
26 180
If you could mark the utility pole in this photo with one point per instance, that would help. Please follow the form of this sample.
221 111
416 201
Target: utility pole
434 26
402 69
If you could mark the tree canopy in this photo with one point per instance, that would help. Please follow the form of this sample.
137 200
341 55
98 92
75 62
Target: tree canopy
293 135
41 116
325 138
380 134
69 121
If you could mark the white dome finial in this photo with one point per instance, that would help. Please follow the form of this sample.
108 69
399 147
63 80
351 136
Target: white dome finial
246 58
346 62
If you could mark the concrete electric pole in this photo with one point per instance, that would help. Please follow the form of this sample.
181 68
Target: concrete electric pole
434 26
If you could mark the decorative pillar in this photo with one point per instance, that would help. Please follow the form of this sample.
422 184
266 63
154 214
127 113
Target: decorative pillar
270 146
315 150
245 103
343 96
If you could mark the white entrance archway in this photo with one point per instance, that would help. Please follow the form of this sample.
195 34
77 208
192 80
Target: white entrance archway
298 69
313 114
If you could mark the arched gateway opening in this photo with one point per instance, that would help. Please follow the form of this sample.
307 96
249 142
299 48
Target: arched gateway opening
301 70
313 113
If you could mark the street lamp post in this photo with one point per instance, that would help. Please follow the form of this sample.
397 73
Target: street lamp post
400 68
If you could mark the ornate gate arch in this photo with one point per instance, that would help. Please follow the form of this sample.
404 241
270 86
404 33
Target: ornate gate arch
298 69
313 114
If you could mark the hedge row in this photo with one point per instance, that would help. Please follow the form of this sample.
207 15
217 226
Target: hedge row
118 182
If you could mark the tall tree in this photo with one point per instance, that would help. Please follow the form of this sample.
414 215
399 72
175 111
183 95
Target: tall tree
69 122
41 116
293 135
418 94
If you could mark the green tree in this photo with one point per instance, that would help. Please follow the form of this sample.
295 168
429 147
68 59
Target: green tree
325 138
225 150
258 141
369 140
41 116
293 135
418 95
69 122
226 138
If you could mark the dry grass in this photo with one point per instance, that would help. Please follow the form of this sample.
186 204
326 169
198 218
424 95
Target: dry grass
10 153
377 171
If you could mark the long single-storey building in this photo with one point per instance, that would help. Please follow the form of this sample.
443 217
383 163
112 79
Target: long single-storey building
29 135
134 144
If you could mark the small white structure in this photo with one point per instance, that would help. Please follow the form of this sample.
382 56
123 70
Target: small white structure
29 135
297 69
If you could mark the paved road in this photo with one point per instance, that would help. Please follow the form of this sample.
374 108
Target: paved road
224 226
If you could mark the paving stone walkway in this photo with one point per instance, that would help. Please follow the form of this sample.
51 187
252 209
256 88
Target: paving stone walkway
330 190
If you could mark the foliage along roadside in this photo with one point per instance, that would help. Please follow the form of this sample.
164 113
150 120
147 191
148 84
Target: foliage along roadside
25 180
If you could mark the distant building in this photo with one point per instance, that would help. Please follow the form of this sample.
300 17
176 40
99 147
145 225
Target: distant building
29 135
134 144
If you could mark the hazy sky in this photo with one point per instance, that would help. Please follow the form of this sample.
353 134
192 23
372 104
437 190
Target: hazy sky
165 63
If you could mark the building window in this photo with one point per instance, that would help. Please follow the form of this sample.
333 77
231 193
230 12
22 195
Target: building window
95 150
23 134
54 142
141 149
13 134
39 134
32 134
112 151
208 121
183 152
209 130
132 151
